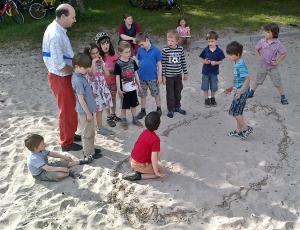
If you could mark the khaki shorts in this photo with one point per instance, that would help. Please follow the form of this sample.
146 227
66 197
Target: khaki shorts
273 73
52 176
145 168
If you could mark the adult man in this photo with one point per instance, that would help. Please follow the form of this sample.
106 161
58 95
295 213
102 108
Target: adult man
57 54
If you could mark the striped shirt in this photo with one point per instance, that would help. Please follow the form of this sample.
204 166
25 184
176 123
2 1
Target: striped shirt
240 71
173 62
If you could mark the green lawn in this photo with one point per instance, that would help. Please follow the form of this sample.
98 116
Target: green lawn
202 15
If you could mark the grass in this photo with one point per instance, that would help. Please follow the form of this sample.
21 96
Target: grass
202 15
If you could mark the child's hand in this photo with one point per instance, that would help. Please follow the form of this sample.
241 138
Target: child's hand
206 61
164 80
96 59
163 175
238 93
274 63
140 89
213 63
89 117
121 93
68 158
111 70
100 60
228 91
185 77
159 80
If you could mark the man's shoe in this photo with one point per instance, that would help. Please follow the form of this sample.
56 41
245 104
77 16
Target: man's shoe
72 147
141 114
77 137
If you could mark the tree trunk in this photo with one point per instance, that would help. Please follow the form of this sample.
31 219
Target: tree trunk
80 4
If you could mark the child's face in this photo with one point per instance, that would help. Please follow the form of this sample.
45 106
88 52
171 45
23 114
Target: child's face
94 53
82 70
182 23
268 34
104 46
172 42
146 44
233 57
125 54
212 43
41 147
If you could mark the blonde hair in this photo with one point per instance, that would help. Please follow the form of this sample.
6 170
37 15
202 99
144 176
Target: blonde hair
123 45
173 34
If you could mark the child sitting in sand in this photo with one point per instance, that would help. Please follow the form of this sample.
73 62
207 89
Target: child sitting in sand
184 33
37 161
146 152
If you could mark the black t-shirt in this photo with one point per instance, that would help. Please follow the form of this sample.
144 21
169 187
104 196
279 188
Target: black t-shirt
126 71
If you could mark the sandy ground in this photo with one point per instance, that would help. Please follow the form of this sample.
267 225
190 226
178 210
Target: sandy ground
215 181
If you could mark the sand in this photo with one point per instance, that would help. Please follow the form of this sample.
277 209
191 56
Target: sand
215 181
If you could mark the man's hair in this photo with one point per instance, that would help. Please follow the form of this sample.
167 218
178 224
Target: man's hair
273 28
123 45
126 15
182 18
62 10
152 121
234 48
33 141
82 60
173 34
212 35
141 37
89 47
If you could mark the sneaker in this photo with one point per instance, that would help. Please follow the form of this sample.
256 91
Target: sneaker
242 135
104 131
284 101
250 95
141 114
124 125
248 131
138 123
213 102
96 155
207 103
180 110
159 112
170 114
72 147
77 137
132 176
74 174
234 134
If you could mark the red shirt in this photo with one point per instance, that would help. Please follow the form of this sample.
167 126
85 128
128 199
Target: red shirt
147 143
110 62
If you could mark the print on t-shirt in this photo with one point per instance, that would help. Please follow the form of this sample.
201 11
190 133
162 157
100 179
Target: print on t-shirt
128 79
174 59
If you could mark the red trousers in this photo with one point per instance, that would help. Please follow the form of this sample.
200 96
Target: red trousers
66 102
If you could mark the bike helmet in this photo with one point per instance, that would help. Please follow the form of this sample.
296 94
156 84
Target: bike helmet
100 36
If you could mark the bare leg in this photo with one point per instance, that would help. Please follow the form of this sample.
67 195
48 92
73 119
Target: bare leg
254 86
206 94
180 41
107 112
99 118
281 90
123 112
188 42
157 100
133 111
213 94
72 163
62 175
113 109
148 176
240 123
143 102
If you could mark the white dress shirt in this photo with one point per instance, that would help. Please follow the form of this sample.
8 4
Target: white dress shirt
57 49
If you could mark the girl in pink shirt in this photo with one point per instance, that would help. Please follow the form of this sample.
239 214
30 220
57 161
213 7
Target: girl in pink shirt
110 58
184 33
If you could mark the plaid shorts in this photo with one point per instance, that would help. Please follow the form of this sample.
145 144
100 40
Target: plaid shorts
238 105
153 86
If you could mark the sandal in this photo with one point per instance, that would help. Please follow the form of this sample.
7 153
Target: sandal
115 118
86 160
74 174
111 122
124 125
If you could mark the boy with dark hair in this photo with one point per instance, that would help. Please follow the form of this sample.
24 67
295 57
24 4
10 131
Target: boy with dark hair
37 161
127 80
85 104
146 152
269 47
211 57
173 65
149 60
240 89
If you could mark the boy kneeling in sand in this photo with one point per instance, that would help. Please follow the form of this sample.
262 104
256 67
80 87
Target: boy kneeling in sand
146 152
37 161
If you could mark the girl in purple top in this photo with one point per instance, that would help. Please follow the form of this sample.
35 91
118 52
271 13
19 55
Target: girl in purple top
269 47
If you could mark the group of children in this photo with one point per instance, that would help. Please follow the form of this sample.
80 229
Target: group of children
99 74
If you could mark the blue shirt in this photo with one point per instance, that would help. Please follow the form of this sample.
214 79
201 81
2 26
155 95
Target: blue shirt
35 161
217 55
81 86
240 71
148 62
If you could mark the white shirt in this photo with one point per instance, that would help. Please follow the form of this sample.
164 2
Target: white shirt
57 44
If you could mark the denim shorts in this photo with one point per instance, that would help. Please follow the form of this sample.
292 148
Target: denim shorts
209 82
153 86
238 105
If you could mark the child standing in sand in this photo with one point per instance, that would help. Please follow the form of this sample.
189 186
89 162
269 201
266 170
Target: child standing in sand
146 152
269 47
211 57
184 33
100 90
173 65
110 58
240 89
37 161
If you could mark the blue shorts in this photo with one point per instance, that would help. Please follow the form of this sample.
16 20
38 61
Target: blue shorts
209 82
238 105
